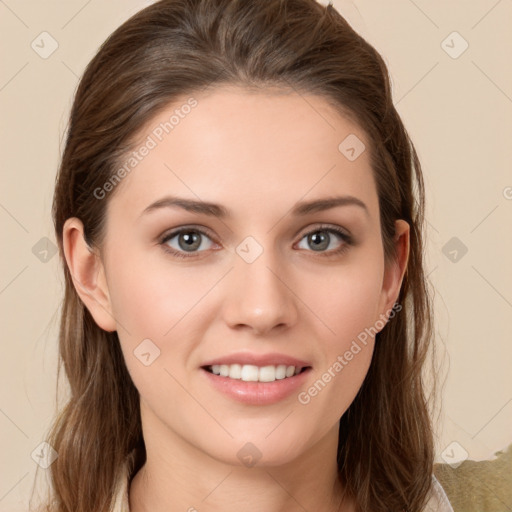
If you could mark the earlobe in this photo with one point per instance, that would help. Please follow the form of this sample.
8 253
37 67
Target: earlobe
395 270
87 271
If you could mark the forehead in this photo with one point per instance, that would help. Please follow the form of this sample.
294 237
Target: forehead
246 149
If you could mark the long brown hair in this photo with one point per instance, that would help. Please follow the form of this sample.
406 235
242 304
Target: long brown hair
175 48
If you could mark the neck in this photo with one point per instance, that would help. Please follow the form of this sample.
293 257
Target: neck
179 476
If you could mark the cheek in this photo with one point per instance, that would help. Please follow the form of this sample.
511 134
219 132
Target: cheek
153 298
164 304
346 357
347 303
347 300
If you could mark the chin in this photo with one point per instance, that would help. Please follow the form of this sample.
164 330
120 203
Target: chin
256 451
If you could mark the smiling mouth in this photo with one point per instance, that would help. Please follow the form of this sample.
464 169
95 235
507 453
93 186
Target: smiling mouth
253 373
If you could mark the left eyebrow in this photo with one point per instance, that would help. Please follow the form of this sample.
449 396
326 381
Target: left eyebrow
318 205
216 210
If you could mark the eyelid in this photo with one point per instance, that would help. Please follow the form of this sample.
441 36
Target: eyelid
343 233
192 227
326 227
209 232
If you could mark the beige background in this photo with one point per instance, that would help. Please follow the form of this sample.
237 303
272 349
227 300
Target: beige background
459 114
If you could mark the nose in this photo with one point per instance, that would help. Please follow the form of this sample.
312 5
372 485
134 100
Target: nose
258 297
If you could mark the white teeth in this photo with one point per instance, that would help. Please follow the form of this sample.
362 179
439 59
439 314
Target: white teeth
252 373
235 371
281 371
267 374
249 373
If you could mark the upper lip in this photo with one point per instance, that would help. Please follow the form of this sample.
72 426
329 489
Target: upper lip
273 358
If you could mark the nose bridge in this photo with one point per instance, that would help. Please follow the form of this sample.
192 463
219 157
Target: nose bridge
259 297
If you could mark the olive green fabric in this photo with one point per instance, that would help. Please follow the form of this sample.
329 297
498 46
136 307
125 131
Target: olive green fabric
479 486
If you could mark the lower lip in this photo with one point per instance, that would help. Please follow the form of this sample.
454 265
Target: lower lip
257 393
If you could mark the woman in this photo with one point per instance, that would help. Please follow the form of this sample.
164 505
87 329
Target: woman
239 212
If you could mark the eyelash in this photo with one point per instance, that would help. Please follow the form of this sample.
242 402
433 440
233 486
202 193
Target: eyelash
347 239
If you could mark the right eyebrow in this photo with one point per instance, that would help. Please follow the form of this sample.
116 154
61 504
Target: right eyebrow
190 205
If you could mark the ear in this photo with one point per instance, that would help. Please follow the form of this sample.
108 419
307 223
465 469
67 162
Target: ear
88 274
395 270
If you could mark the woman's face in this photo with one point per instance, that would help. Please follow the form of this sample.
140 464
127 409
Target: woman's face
268 282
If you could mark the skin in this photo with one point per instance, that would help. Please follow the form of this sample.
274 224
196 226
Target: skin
257 154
